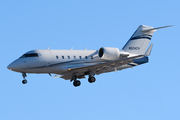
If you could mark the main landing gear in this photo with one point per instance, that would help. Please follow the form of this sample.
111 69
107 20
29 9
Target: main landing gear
91 78
77 83
24 76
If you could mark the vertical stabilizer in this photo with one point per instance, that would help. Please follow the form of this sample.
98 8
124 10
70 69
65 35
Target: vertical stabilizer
139 41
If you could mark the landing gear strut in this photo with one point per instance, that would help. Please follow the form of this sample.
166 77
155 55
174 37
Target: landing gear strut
91 78
24 76
76 82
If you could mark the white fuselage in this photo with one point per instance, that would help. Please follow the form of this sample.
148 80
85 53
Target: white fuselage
58 61
55 61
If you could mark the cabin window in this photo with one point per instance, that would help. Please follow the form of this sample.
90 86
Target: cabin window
91 57
62 57
80 57
86 57
68 57
30 55
74 57
57 57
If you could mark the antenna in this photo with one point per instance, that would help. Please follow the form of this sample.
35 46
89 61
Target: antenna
85 48
48 48
71 48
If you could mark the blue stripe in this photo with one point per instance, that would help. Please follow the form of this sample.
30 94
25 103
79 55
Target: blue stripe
139 37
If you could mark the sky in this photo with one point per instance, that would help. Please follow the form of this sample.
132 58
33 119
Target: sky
150 91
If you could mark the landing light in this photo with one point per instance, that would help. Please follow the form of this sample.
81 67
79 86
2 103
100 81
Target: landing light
69 69
9 68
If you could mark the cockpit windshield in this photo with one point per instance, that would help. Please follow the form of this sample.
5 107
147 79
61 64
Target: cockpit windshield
29 55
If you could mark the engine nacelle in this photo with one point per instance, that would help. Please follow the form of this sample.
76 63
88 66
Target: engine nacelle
109 53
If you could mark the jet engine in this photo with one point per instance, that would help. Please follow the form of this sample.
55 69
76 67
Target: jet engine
109 53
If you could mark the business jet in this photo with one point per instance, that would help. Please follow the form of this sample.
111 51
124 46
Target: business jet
76 64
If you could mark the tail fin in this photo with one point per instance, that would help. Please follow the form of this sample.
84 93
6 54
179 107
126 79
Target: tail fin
139 41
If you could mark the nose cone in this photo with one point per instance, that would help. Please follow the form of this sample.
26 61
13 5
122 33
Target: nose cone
13 66
9 67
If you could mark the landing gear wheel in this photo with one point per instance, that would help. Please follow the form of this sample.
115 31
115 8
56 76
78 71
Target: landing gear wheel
91 79
76 83
24 81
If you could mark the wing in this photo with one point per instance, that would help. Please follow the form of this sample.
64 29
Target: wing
99 68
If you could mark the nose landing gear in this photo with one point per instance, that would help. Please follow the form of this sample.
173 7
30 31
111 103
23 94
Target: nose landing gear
24 76
24 81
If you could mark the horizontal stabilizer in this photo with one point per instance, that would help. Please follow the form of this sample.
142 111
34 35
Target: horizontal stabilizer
156 28
148 52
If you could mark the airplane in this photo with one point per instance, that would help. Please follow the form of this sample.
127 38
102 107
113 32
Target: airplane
76 64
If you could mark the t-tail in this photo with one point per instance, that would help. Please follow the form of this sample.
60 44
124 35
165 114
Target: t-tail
139 41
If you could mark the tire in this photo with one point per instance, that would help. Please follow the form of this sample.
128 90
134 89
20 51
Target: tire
24 81
76 83
91 79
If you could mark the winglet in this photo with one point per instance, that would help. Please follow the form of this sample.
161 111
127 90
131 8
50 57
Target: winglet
148 52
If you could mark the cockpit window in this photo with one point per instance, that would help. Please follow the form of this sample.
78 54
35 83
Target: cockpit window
29 55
